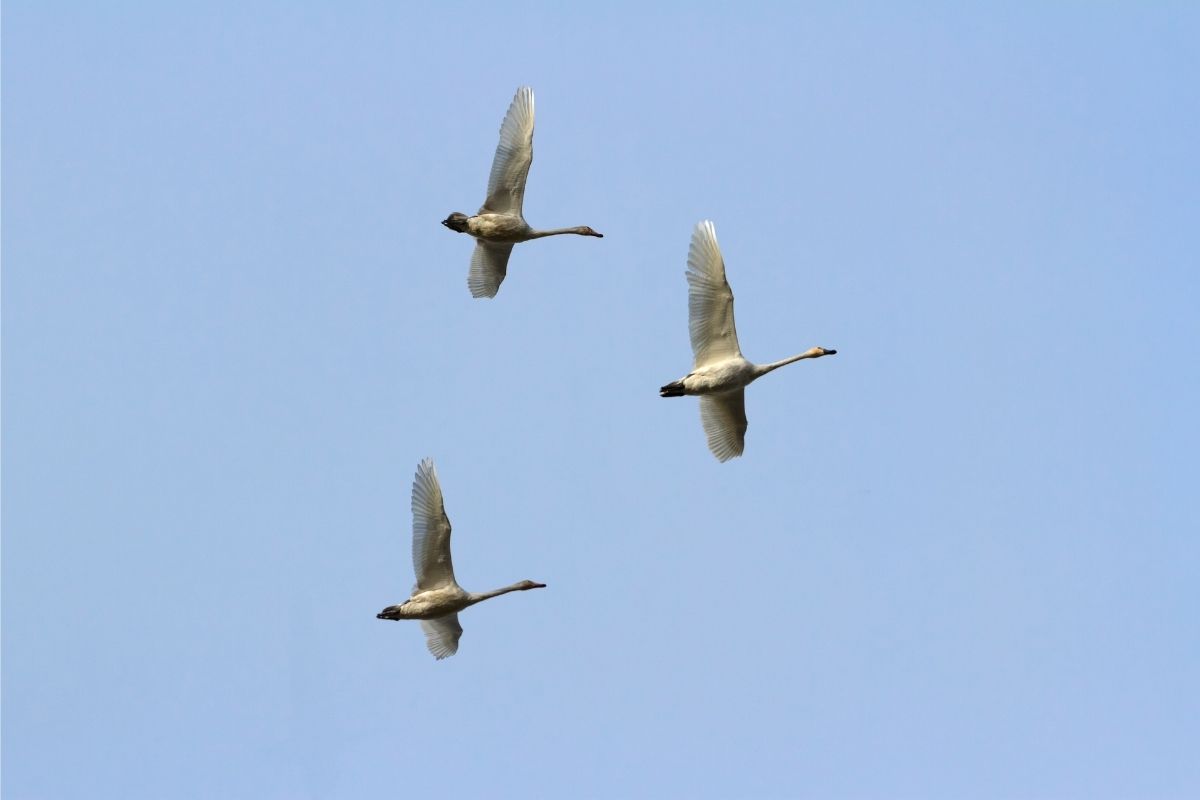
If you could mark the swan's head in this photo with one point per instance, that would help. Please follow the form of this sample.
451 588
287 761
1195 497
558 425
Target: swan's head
523 585
586 231
817 352
456 222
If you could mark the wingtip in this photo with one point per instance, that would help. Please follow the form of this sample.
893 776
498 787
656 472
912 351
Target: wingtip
705 235
726 455
481 291
524 93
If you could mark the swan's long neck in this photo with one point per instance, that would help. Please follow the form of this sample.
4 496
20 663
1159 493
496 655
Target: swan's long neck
763 369
581 230
479 597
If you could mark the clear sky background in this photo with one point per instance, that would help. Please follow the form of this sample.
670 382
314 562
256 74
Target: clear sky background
959 559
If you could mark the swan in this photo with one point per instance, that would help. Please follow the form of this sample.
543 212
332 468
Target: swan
500 224
437 598
720 373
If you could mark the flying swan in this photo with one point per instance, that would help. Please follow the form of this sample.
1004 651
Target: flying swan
500 224
720 373
437 598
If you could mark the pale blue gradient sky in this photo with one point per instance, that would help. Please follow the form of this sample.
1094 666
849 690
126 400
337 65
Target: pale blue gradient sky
959 559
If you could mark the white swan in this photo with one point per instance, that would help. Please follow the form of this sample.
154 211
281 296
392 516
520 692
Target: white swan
500 224
437 598
720 373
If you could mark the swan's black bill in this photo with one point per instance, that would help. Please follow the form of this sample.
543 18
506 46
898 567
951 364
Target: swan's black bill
829 352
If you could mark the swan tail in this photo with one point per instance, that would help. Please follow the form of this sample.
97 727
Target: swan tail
672 389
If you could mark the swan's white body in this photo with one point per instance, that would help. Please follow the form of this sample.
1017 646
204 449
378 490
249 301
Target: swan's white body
719 372
437 598
503 228
500 222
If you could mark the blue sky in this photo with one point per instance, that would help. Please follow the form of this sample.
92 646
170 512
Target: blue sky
957 559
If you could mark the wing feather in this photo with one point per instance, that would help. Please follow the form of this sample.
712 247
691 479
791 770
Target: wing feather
724 419
489 265
514 154
710 300
431 531
441 635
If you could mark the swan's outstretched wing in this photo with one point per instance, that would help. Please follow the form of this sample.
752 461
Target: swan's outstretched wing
710 300
514 154
431 531
724 419
489 265
441 635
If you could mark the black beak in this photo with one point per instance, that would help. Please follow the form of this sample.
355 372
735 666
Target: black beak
829 352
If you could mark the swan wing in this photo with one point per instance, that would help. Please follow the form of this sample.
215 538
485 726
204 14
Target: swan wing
431 531
489 265
710 300
441 635
724 419
514 154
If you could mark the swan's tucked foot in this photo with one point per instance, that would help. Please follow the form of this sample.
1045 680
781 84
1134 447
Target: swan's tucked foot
672 389
456 222
391 612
